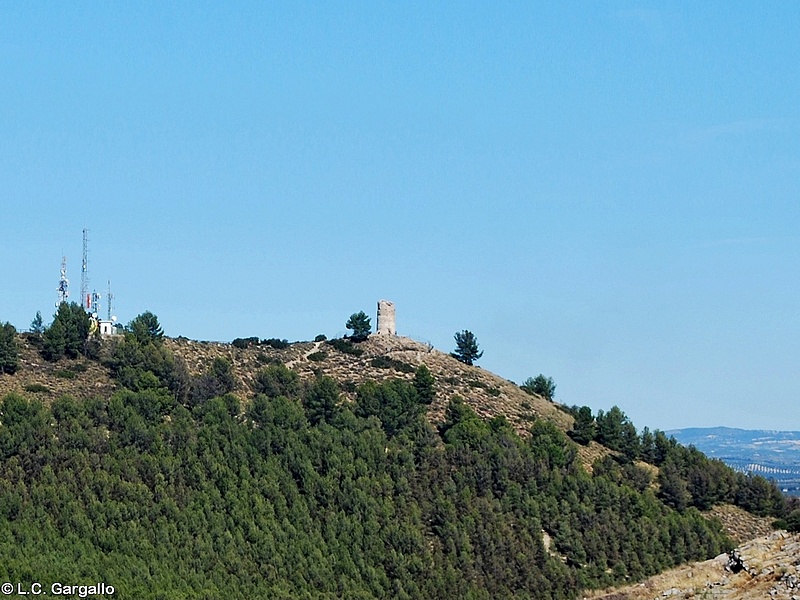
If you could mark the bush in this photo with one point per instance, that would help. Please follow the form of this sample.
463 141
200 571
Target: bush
385 362
243 343
540 386
321 338
345 346
277 380
37 388
276 343
317 356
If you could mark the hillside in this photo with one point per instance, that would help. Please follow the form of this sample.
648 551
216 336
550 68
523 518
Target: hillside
328 470
774 454
488 394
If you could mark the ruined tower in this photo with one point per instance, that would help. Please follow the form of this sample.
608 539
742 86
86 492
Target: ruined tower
386 322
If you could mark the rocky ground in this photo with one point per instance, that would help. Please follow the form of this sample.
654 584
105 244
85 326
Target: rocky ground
763 568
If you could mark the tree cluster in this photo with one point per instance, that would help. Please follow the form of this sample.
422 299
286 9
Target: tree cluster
687 477
68 334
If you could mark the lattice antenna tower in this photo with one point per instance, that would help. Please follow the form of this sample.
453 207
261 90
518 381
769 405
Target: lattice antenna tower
109 298
85 298
95 304
63 283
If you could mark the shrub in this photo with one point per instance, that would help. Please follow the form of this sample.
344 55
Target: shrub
540 386
381 362
243 343
321 338
317 356
37 388
277 380
345 346
276 343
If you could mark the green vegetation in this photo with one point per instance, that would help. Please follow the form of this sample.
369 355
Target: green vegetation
360 324
277 380
466 347
386 362
37 325
276 343
68 334
345 346
540 386
248 342
174 487
424 384
687 477
308 498
243 343
37 388
9 352
317 356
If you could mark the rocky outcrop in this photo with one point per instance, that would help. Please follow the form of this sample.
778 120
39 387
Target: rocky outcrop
765 568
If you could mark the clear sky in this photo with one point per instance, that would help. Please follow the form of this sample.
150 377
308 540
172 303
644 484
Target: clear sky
603 192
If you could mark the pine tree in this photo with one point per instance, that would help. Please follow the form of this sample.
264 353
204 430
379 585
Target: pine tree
9 353
466 347
360 324
423 382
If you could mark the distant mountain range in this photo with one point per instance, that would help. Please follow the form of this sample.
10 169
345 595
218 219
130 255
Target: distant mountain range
773 454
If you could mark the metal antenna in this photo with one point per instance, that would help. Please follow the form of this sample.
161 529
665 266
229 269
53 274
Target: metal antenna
63 283
95 308
85 298
109 298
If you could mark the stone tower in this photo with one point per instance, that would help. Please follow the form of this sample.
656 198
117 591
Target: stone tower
386 323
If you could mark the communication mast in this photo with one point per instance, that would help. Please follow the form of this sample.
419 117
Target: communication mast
86 300
95 304
109 298
63 283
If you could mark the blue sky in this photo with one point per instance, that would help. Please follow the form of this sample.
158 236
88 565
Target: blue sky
603 192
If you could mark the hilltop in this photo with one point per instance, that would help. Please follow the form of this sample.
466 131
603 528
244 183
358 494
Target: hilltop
379 358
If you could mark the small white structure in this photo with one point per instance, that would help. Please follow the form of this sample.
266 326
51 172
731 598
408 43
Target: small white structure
386 318
108 328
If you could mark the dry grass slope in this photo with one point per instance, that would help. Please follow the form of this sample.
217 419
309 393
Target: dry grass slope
47 381
488 394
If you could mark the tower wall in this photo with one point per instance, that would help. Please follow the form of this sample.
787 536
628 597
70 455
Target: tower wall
386 319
